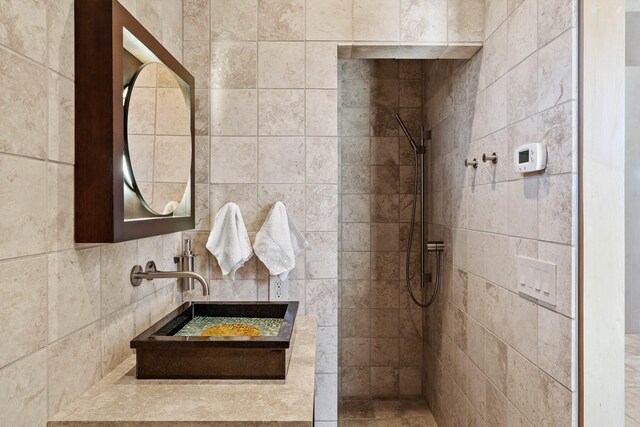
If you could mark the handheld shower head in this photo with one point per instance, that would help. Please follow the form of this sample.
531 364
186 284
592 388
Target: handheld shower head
418 149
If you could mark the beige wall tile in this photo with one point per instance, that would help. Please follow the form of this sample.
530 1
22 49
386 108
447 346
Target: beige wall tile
555 208
355 381
554 17
554 346
522 83
202 112
281 160
329 20
321 160
321 301
116 262
281 19
24 221
233 65
321 262
79 353
61 119
281 65
281 112
292 195
196 60
524 385
377 20
355 352
196 20
495 13
465 20
495 53
234 159
556 72
321 65
234 20
60 207
322 207
327 350
523 208
556 129
60 31
522 28
25 27
423 21
384 381
23 392
24 124
117 331
321 108
234 112
23 302
73 291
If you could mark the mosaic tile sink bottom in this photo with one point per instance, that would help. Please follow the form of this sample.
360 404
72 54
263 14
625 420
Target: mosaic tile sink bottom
231 327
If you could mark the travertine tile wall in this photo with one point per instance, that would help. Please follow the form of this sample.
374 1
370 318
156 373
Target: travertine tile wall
267 132
381 332
67 311
493 357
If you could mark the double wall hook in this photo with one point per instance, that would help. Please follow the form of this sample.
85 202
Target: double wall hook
473 163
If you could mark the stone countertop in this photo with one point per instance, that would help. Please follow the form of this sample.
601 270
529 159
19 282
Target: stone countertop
119 399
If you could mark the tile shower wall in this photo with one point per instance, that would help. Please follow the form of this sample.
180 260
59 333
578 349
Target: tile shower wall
67 311
381 333
493 357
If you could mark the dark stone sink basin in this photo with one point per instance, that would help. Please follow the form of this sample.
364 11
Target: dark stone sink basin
218 340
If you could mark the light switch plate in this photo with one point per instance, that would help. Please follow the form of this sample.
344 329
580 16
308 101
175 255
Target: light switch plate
537 279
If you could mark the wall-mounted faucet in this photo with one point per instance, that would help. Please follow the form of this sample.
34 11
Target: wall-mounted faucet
151 272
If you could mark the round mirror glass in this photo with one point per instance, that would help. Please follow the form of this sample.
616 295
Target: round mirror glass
158 137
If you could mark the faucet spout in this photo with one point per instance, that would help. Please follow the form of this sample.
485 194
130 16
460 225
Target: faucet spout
151 272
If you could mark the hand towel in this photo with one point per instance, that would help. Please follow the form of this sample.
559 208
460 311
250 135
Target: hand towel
279 242
229 240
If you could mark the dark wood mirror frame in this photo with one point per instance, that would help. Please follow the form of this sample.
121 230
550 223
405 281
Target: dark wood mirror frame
99 125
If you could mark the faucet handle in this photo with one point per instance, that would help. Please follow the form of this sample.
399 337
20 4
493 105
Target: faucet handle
150 267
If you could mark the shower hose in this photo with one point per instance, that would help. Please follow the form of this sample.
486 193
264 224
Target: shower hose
436 287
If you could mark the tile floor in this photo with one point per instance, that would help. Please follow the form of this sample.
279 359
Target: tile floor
410 412
632 380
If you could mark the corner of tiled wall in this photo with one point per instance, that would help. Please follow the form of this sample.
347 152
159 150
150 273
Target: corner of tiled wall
65 307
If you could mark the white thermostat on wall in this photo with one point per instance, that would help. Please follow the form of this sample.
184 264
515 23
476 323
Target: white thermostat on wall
530 158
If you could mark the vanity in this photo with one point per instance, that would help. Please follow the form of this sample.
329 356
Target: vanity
120 399
205 363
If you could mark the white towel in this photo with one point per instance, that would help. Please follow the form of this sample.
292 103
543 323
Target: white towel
229 241
279 242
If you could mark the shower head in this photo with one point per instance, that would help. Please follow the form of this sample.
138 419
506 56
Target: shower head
416 148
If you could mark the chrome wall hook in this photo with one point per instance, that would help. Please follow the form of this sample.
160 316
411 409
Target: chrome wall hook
493 158
473 163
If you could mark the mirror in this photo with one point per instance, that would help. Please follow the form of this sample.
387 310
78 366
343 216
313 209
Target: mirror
157 126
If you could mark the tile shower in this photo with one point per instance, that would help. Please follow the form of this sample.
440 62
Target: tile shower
381 332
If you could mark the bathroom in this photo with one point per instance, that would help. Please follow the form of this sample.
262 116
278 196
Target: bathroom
337 109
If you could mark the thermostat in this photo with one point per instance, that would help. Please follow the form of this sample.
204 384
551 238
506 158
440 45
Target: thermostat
530 158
